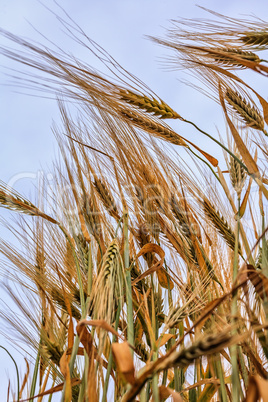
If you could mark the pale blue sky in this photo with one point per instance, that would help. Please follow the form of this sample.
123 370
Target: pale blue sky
27 143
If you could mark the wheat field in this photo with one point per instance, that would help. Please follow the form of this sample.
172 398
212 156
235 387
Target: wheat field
142 272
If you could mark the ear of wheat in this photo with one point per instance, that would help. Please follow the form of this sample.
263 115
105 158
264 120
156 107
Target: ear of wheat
220 224
248 113
255 39
11 200
228 61
207 345
157 129
237 175
151 105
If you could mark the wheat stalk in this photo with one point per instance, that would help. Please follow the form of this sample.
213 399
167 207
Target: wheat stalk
249 114
151 105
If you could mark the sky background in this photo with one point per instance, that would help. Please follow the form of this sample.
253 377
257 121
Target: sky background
27 142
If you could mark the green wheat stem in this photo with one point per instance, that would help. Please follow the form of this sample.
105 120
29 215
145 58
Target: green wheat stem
17 370
155 389
220 373
118 226
217 142
110 361
90 271
130 330
264 249
236 387
78 271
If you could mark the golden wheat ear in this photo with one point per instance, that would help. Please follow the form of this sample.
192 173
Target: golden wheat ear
10 199
221 56
248 113
255 39
150 105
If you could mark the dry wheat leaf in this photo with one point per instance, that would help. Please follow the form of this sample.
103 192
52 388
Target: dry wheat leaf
25 379
103 325
257 389
208 392
166 392
163 339
64 364
150 248
85 337
214 162
138 330
87 341
164 279
124 361
65 369
244 202
258 280
57 388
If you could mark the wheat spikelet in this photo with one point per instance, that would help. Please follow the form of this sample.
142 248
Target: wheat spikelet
224 59
83 247
249 114
90 215
52 351
256 39
181 216
109 259
108 288
220 224
59 300
106 197
141 350
158 130
185 229
151 105
237 175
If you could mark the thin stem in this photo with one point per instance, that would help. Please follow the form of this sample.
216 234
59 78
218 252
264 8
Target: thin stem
218 142
233 349
110 361
130 330
17 370
78 271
